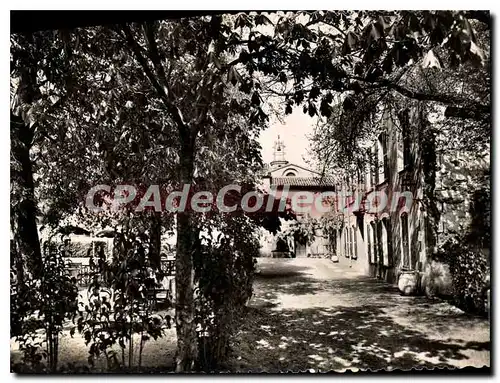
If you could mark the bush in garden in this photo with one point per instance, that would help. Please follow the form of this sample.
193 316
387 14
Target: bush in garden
224 268
42 306
480 211
281 245
466 253
120 304
470 270
302 232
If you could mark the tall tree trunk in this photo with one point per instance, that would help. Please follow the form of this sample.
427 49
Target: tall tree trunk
184 276
155 241
23 213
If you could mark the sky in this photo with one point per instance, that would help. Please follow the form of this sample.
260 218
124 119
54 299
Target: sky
297 126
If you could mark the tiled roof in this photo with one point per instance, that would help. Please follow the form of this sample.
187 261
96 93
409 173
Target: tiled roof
305 181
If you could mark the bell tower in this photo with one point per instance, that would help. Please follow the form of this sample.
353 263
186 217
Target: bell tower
278 153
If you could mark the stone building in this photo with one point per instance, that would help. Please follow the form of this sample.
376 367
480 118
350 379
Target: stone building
281 175
404 167
383 227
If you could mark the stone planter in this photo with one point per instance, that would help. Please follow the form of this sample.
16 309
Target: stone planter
408 282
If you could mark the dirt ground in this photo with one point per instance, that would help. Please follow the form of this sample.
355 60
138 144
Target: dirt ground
158 355
312 314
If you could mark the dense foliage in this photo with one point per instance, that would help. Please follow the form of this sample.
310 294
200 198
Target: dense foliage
305 230
427 74
224 267
470 271
122 303
468 253
41 308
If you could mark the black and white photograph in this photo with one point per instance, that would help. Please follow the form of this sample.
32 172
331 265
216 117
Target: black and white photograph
253 192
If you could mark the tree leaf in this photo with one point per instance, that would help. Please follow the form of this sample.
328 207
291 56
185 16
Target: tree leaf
242 20
311 109
314 92
213 59
431 61
414 23
255 99
477 53
384 22
233 76
262 20
351 41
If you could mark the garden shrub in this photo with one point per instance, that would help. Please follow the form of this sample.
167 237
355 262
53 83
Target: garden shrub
224 269
305 231
480 212
41 307
470 269
120 304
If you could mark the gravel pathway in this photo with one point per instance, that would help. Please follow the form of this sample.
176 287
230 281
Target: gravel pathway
314 314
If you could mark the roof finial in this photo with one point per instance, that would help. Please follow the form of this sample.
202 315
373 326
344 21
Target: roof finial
279 153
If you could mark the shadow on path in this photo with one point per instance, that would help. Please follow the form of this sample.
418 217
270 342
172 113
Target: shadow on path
298 321
333 339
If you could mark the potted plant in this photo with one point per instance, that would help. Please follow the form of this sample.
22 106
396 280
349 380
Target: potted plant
408 281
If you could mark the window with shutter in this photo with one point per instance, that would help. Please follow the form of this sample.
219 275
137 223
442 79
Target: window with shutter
373 165
405 132
345 243
380 249
405 241
339 242
385 142
400 148
380 161
383 168
386 231
414 259
385 250
367 170
375 251
354 243
369 243
349 242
